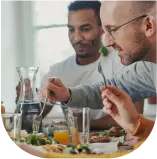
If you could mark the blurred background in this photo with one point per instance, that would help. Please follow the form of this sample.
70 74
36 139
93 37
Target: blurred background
34 33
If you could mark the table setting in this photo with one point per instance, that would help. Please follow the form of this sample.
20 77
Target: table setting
66 136
57 142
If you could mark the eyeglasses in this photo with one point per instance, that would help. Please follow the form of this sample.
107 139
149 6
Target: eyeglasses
106 30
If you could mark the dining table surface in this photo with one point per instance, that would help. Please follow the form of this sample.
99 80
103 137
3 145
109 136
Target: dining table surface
123 150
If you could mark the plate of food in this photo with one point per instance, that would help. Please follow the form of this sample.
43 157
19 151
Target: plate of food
81 149
113 134
66 151
42 145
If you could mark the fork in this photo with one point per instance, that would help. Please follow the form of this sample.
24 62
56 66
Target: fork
37 119
101 72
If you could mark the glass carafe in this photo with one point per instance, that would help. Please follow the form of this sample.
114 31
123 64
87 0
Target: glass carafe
28 103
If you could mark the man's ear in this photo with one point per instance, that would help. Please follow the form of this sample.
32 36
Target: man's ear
149 26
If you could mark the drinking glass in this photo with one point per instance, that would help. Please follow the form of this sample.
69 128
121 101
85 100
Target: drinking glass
61 133
73 126
12 124
82 128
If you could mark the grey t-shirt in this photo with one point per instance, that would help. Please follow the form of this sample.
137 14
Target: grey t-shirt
138 82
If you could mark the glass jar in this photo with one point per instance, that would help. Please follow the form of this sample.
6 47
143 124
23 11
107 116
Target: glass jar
28 103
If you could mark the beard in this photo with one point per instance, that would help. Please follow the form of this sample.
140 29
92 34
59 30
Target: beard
88 52
140 48
90 49
85 55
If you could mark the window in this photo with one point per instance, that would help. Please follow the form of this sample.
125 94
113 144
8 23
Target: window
51 34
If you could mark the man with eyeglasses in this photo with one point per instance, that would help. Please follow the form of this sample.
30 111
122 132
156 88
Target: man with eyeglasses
130 28
134 37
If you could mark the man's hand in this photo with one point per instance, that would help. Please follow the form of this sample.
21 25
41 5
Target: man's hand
58 92
119 105
131 140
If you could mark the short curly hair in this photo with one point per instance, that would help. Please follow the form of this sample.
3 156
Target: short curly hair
78 5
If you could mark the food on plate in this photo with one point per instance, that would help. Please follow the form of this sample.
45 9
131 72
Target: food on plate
38 139
112 132
68 149
116 132
105 136
34 138
23 134
54 147
100 139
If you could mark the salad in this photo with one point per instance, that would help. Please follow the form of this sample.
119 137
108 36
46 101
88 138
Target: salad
34 138
39 139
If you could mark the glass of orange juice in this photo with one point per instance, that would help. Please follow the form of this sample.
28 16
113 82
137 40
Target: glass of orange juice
62 136
61 133
81 128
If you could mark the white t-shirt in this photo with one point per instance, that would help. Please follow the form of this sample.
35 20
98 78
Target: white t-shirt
73 74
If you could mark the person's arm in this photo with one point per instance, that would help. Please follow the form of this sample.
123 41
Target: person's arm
107 121
119 105
136 82
143 128
103 123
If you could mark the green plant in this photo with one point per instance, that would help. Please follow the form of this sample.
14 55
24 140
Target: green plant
103 51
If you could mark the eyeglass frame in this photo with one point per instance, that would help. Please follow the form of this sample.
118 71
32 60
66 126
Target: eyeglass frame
116 28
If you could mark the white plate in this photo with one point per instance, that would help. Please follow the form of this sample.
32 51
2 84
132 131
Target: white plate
110 147
116 139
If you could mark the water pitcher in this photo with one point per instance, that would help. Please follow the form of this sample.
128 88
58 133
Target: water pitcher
28 103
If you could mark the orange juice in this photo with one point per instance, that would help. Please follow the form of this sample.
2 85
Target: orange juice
62 136
75 137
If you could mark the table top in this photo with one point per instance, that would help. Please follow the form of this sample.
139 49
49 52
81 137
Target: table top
121 154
